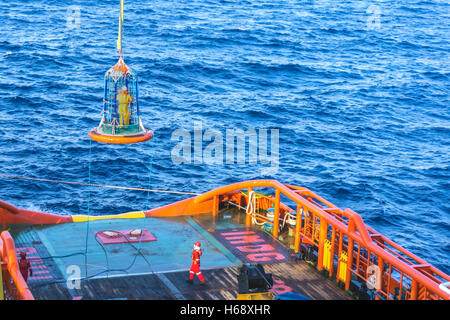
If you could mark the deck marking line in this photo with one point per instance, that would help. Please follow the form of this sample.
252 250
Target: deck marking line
170 286
149 273
47 244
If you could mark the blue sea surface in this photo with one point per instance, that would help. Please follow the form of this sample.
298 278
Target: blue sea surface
359 91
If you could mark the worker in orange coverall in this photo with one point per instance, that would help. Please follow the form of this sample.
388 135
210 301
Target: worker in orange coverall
24 266
195 267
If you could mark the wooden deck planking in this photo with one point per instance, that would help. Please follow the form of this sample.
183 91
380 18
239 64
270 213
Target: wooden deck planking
131 287
304 279
50 291
221 284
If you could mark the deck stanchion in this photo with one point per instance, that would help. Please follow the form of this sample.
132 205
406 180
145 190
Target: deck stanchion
215 205
341 273
413 290
248 216
322 237
379 283
7 279
333 239
1 282
306 224
276 216
349 264
348 277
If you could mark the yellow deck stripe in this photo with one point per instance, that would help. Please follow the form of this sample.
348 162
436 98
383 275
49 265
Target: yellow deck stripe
128 215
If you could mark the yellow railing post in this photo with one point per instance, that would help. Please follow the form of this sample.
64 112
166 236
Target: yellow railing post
276 217
342 267
298 225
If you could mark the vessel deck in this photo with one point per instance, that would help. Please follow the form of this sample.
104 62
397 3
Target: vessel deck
162 269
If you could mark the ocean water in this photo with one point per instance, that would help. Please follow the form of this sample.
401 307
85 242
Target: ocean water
359 91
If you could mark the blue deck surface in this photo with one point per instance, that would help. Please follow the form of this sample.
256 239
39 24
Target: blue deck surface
171 252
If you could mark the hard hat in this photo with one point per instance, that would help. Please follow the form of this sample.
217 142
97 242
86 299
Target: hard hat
124 88
197 244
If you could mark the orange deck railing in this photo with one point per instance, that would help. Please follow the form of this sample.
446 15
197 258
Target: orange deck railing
347 248
14 286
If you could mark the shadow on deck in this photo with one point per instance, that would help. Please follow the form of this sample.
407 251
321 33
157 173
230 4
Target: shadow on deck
298 277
